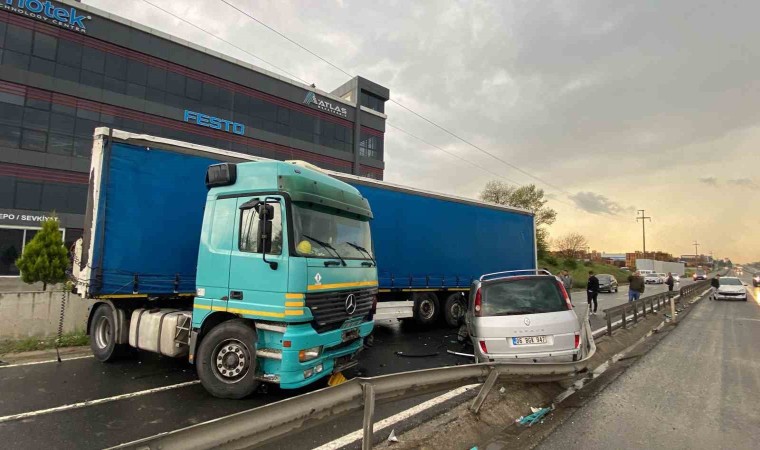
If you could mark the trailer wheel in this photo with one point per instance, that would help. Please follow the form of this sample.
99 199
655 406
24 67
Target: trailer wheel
454 309
103 335
226 362
426 308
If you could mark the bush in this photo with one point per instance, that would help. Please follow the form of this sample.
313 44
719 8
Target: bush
550 260
570 263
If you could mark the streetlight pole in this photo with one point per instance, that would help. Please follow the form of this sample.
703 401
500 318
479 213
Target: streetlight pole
696 252
643 218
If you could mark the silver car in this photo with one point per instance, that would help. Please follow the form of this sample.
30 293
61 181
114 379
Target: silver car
522 315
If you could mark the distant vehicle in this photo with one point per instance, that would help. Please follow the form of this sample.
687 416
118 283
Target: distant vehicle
756 280
731 288
653 278
676 278
522 315
700 274
607 283
644 272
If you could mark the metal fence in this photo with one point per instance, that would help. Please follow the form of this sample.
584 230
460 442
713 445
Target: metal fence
631 311
264 424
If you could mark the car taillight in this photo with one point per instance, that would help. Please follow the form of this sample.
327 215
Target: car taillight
483 347
565 296
577 340
478 304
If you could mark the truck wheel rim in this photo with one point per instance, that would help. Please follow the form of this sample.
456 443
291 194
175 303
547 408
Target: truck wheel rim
231 360
103 332
457 310
427 309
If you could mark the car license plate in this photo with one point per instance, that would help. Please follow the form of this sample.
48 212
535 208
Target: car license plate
528 340
350 335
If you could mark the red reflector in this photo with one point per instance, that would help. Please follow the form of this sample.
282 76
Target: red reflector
483 347
478 303
577 340
286 344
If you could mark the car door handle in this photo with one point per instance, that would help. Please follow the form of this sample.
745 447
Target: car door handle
236 295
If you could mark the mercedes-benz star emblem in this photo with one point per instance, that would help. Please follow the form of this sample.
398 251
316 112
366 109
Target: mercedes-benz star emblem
350 304
526 321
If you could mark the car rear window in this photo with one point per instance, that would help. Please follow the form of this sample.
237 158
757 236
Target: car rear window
530 295
730 281
604 278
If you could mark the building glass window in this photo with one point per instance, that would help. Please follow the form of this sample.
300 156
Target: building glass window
45 46
371 146
372 101
11 245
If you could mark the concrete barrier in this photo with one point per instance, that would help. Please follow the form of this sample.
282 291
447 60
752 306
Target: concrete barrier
36 314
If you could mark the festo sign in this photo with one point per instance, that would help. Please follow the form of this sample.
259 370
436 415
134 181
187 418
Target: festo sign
65 17
324 105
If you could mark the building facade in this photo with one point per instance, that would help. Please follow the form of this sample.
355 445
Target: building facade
67 68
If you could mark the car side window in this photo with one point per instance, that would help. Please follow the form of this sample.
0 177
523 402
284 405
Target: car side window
249 228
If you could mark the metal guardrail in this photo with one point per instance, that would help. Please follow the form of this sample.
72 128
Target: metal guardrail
651 305
266 423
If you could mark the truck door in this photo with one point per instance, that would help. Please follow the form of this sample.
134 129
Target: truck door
217 241
256 288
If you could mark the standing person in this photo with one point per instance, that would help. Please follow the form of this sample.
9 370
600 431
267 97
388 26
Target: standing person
714 284
670 282
592 290
567 281
635 286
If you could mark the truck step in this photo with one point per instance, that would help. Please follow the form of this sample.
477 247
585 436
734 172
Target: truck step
270 353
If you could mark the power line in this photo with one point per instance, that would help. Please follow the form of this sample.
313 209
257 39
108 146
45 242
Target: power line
445 130
225 41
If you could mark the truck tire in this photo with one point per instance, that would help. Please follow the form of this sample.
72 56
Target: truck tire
226 362
426 308
453 309
103 335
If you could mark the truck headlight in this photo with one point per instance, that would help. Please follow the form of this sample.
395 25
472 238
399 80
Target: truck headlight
308 354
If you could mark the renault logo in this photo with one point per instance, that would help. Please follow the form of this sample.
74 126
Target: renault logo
350 304
526 321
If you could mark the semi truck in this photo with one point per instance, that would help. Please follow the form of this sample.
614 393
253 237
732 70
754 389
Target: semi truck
173 259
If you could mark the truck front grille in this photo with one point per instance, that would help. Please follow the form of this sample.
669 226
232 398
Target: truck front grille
329 308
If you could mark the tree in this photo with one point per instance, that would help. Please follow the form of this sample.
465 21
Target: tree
570 244
526 197
44 258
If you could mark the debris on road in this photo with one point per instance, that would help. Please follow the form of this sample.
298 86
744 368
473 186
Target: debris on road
419 355
468 355
503 390
538 415
392 437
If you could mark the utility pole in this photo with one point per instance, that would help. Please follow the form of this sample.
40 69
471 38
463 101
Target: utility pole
643 218
696 251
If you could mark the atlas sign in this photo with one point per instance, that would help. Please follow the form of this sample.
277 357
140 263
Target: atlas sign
64 17
324 105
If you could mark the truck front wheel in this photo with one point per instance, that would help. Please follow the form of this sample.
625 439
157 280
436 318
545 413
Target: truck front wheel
426 308
226 362
103 335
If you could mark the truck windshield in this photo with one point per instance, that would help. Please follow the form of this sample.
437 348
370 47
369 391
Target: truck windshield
347 235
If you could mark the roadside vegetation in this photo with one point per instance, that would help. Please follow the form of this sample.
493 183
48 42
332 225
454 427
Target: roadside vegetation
75 339
579 270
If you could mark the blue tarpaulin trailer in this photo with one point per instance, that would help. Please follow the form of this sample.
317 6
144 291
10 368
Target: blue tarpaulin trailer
429 246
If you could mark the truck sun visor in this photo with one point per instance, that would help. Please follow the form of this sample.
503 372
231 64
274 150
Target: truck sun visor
224 174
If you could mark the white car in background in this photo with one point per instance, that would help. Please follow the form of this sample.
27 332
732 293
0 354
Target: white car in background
653 278
676 278
731 288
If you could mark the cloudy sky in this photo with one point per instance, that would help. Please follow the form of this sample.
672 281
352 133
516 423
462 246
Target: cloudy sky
613 106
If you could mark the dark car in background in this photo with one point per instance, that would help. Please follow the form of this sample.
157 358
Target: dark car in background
700 274
607 283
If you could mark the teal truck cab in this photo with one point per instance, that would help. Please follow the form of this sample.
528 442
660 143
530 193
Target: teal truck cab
285 281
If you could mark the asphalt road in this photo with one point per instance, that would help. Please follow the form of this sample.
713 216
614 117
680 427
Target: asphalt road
706 397
139 408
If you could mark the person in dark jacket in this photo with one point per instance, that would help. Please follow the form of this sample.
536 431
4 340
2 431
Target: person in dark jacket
714 284
592 291
636 286
670 282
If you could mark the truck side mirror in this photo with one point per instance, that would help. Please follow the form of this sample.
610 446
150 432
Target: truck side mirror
264 236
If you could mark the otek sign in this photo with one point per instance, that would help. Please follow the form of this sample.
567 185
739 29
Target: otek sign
65 17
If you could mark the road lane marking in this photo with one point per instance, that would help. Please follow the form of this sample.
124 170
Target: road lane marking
99 401
34 363
403 415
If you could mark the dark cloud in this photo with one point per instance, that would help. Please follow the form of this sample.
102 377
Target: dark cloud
598 204
712 181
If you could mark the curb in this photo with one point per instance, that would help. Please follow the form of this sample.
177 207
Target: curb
43 355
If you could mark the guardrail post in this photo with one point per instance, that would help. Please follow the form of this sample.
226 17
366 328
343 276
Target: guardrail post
609 324
625 320
644 307
369 415
635 312
672 310
487 386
